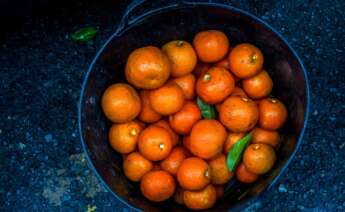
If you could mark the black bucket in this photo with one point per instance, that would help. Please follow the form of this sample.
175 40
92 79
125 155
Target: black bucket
183 21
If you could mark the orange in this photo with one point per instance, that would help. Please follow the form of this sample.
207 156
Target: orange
245 176
199 200
120 103
178 196
135 166
231 140
259 158
219 169
183 121
257 101
123 137
223 63
245 60
273 114
182 56
201 68
174 160
147 114
238 92
193 174
154 143
124 156
219 191
262 136
207 138
165 125
156 166
141 124
186 83
157 186
218 106
186 142
147 68
211 45
238 114
167 99
215 85
258 86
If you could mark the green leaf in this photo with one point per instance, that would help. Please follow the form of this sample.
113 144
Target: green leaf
207 111
84 34
235 153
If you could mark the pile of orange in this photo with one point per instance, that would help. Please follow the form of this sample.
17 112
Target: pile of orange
166 143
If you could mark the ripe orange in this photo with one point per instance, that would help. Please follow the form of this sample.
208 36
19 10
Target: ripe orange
200 69
154 143
183 121
220 173
174 160
259 158
238 114
156 166
231 140
167 99
141 124
157 186
223 63
272 113
120 103
245 60
164 124
215 85
186 142
238 92
193 174
219 191
202 199
147 68
123 137
245 176
124 156
207 138
258 86
182 56
261 136
186 83
218 105
135 166
178 196
147 114
211 45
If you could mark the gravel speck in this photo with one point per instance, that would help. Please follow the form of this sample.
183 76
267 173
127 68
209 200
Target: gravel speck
282 188
301 207
48 138
21 146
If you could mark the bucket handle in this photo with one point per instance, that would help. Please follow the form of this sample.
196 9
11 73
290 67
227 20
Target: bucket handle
124 22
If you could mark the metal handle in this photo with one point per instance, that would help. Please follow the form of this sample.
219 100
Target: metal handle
136 3
124 22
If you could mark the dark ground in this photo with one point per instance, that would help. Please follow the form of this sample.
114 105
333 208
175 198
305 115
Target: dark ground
42 163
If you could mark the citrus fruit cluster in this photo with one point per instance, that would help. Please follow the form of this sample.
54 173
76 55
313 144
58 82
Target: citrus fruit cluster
183 109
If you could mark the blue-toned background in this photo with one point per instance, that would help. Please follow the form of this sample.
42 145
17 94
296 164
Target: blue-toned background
41 70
